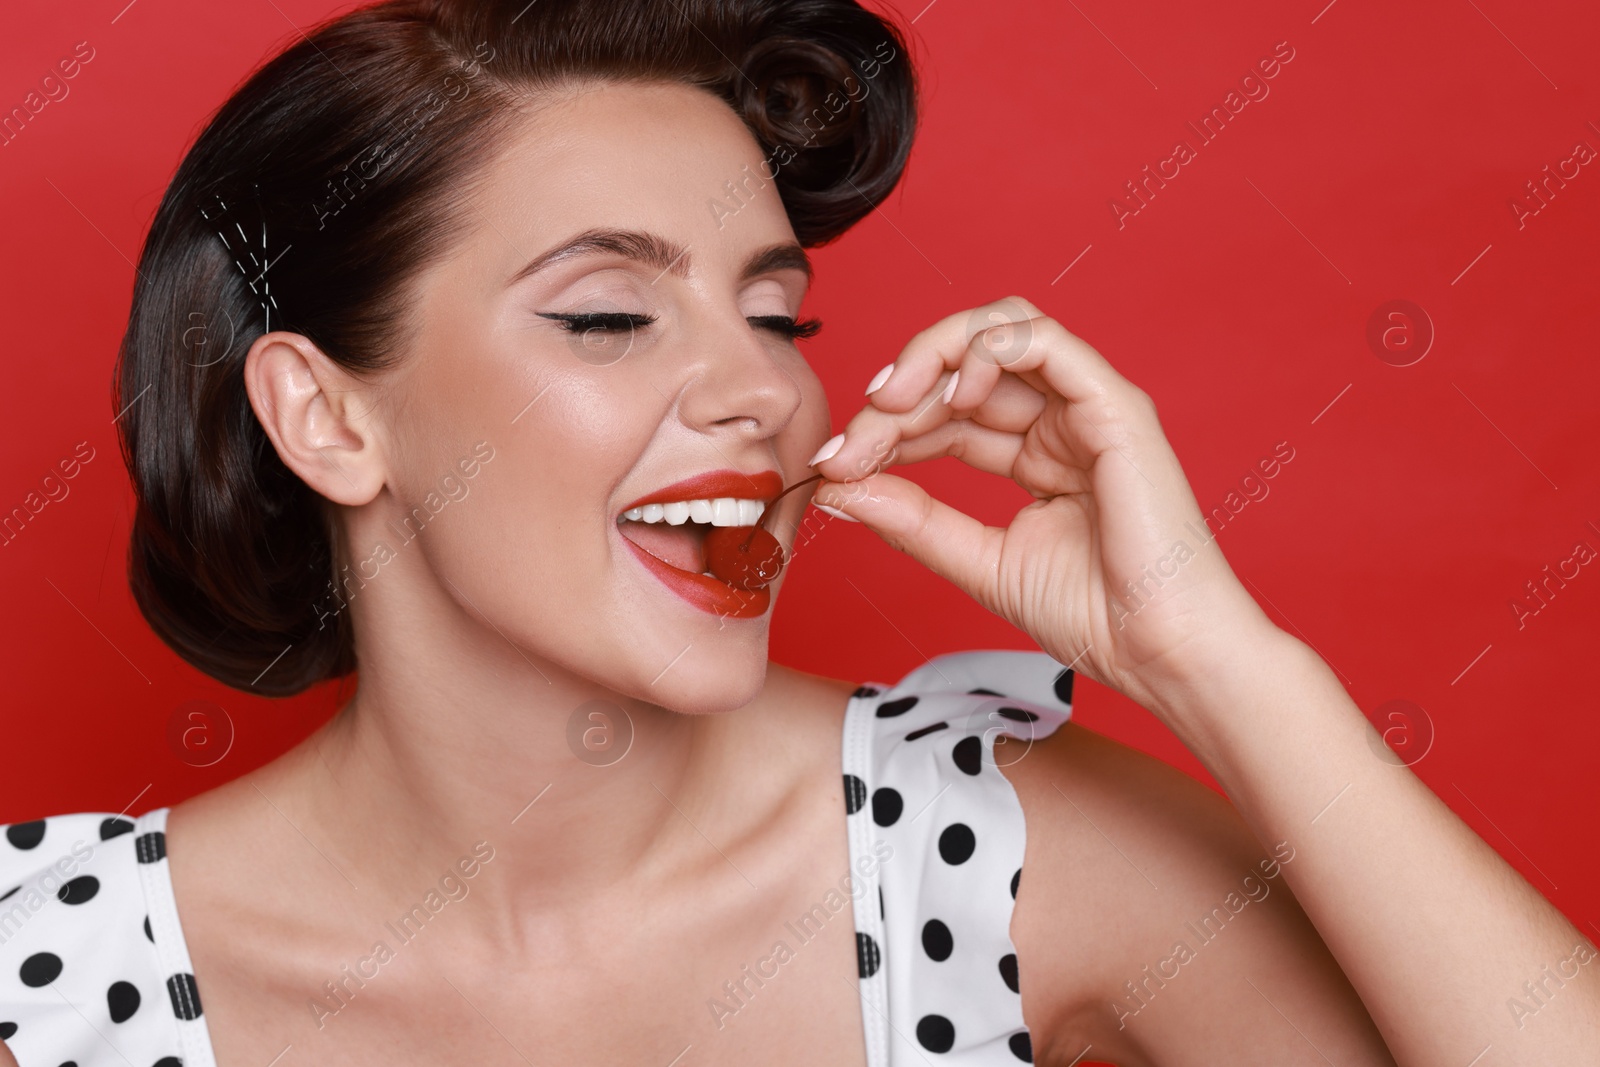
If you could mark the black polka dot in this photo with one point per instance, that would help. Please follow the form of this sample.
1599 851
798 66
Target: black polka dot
115 827
79 890
863 691
936 940
890 708
1063 686
1016 879
936 1033
887 804
6 1030
926 730
123 1000
70 1063
1008 970
968 754
867 956
1018 714
185 996
169 1061
1021 1046
980 691
957 843
26 834
855 794
151 847
147 932
40 969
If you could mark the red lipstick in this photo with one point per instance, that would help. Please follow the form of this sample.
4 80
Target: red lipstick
711 595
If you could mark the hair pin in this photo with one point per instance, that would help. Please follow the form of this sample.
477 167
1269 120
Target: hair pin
253 258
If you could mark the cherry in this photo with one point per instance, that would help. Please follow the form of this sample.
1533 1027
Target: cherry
744 562
748 557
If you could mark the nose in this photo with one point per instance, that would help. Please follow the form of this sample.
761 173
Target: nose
740 386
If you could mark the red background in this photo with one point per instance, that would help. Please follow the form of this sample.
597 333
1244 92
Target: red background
1380 167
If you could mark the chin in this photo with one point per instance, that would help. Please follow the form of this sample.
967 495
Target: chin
725 679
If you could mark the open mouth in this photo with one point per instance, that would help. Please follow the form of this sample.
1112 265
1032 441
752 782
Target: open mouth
675 532
695 537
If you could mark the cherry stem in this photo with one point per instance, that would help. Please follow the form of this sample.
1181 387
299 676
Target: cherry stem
772 508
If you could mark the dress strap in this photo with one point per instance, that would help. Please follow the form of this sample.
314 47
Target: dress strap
937 834
177 971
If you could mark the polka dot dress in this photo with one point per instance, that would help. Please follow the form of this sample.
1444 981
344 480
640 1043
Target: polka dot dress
93 967
938 834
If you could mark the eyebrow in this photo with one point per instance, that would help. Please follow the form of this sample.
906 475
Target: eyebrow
666 256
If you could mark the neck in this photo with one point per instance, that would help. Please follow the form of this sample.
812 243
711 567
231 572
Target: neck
456 740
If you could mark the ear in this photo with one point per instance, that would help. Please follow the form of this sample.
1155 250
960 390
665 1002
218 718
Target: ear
316 415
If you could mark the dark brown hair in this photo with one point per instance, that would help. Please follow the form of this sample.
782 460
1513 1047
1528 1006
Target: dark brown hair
332 177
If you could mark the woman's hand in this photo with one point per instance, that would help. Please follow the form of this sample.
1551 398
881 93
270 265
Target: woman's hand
1111 569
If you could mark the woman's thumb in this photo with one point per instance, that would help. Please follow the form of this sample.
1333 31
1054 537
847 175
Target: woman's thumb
951 544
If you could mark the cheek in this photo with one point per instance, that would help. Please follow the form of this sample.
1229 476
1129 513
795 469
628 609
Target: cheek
527 549
536 514
812 425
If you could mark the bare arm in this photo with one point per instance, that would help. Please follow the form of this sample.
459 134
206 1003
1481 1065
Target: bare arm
1433 928
1152 928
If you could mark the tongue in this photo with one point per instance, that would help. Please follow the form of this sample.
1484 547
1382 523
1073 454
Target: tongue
682 546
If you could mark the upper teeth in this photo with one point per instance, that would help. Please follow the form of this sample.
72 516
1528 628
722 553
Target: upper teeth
721 511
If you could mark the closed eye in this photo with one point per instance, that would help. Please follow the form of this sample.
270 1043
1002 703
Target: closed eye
619 321
787 326
608 321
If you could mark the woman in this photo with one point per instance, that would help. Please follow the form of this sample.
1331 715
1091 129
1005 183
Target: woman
515 290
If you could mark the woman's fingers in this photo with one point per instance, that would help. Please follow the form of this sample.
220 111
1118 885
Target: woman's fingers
939 349
1000 364
995 452
991 451
1044 353
1006 335
1011 407
951 544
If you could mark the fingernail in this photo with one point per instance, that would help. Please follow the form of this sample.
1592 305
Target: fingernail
835 512
950 390
879 378
829 449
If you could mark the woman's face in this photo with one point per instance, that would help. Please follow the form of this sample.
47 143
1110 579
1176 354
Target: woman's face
584 420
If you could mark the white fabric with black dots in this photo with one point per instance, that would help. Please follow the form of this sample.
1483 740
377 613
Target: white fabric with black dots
93 966
938 835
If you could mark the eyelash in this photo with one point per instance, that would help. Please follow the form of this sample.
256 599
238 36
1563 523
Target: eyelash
621 320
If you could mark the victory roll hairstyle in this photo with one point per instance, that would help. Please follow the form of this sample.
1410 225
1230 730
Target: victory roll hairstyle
333 177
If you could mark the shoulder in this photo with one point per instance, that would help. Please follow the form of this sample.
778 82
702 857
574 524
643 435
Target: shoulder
77 952
1121 848
1134 871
